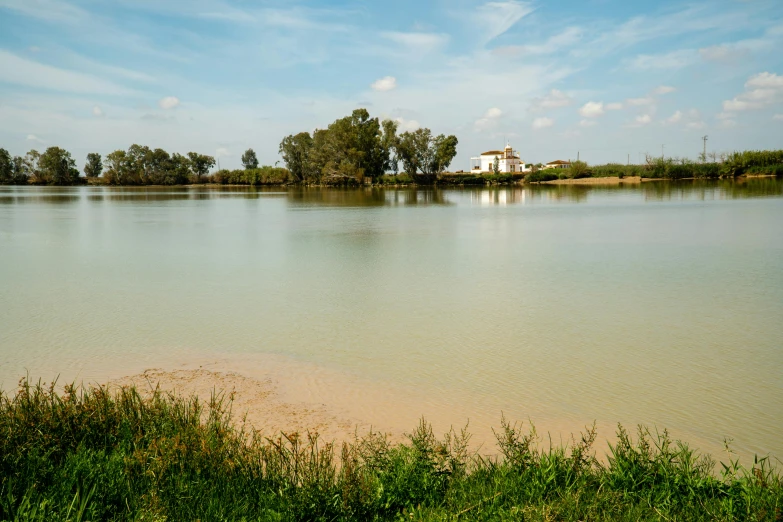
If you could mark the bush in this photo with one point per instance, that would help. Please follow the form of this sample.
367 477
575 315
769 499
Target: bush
540 176
260 176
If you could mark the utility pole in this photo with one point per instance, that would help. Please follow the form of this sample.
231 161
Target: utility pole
704 154
662 146
577 155
629 158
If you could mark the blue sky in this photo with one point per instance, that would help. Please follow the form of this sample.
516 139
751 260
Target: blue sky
602 78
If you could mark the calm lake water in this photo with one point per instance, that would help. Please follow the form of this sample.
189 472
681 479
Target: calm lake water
659 304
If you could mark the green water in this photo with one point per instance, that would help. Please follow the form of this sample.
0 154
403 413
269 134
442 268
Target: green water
660 303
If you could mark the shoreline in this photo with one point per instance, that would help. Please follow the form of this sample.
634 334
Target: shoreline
444 183
279 393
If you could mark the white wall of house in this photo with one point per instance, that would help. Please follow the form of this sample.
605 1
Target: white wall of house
508 162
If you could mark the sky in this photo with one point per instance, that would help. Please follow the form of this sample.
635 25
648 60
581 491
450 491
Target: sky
604 80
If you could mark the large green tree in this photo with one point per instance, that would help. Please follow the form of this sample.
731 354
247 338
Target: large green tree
296 151
118 168
94 166
56 166
249 159
6 167
200 164
423 154
356 146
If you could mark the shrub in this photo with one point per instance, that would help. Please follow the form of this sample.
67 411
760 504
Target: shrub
540 176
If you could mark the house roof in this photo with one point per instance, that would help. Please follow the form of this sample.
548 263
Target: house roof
493 153
559 162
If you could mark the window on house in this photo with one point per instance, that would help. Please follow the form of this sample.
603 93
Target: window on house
512 168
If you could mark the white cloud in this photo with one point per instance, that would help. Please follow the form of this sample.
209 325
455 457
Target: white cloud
587 123
169 102
761 90
387 83
727 124
543 123
49 10
616 106
495 18
222 152
33 137
404 125
489 120
778 117
592 109
663 89
644 119
672 60
674 118
21 71
553 100
562 38
417 42
639 102
494 112
765 80
696 125
97 111
722 53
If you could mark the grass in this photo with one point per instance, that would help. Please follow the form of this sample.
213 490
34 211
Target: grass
89 454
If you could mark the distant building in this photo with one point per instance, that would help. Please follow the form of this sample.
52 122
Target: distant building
508 161
557 164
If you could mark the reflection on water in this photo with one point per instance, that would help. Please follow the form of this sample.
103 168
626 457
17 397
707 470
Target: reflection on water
696 190
655 303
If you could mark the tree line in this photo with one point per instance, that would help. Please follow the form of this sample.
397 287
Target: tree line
139 165
359 147
350 150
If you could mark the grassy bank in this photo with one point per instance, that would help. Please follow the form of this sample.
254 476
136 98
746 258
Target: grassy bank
94 455
748 163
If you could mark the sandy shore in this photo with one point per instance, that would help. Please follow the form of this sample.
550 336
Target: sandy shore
276 394
257 403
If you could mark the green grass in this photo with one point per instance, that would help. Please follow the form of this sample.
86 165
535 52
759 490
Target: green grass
89 454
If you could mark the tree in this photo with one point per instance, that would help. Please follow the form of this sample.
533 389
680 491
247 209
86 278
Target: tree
200 164
21 172
496 166
420 152
94 166
6 167
445 151
389 144
296 151
249 159
118 169
57 167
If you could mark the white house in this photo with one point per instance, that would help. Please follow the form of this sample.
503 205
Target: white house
558 164
508 161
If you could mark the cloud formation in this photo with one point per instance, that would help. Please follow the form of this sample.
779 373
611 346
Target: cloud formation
543 123
489 120
169 102
387 83
592 109
554 99
761 90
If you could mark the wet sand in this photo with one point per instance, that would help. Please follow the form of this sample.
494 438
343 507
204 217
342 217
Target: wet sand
275 394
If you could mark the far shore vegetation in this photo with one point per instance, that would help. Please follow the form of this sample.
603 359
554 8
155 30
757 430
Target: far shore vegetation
354 150
89 454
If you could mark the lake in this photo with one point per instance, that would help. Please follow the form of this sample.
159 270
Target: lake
659 303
